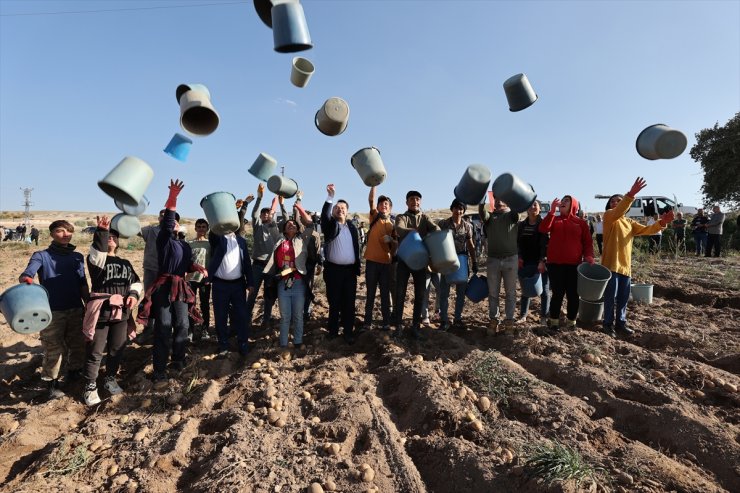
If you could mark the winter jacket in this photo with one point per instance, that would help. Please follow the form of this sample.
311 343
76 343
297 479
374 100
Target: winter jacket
570 239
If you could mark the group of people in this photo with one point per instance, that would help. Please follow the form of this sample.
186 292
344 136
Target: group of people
19 233
180 278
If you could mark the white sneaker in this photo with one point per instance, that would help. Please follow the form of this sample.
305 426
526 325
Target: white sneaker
425 321
112 386
91 397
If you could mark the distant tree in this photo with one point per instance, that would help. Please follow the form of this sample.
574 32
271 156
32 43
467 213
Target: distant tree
717 149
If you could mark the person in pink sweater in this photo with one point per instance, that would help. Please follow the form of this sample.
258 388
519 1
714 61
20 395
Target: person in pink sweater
570 244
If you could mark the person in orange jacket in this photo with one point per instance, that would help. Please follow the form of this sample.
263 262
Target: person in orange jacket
570 244
619 231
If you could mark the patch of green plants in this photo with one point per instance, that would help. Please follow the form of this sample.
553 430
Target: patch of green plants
65 461
488 374
553 462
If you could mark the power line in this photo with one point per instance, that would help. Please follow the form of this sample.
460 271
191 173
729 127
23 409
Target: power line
26 14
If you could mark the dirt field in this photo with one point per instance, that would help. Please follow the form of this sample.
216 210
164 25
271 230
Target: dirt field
459 412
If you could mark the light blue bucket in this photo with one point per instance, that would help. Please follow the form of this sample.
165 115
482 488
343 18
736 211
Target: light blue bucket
442 255
183 88
460 276
477 289
289 28
413 252
131 210
128 181
531 285
220 212
263 167
126 225
26 308
179 147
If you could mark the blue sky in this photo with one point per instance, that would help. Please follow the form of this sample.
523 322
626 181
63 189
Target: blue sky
423 80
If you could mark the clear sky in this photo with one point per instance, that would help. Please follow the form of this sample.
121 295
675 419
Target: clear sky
423 79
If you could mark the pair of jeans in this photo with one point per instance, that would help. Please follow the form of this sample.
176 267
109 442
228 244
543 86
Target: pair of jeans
403 272
114 334
714 242
564 281
290 302
170 328
700 239
432 280
230 301
505 269
544 297
618 288
341 293
267 300
444 299
377 275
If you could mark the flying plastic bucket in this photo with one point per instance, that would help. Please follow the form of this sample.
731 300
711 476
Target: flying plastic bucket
128 181
127 226
220 212
26 308
179 147
413 251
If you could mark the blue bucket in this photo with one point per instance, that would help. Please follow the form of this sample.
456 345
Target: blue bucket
413 252
530 281
26 308
220 212
477 289
263 167
460 276
131 210
179 147
289 28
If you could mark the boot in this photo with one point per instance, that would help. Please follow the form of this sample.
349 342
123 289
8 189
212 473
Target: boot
53 391
554 324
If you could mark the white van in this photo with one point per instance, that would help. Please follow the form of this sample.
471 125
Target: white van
648 205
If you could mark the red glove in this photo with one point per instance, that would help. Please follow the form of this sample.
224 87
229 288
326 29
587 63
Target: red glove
590 260
666 218
520 262
638 185
28 280
175 187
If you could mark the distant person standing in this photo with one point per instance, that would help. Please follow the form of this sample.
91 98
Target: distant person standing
679 231
714 231
655 240
34 234
532 250
202 256
61 271
599 230
151 267
699 229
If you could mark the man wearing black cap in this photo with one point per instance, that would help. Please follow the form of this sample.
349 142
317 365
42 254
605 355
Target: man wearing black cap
462 234
411 220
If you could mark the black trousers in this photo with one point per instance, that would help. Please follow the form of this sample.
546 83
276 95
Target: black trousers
714 242
341 292
403 272
114 335
564 282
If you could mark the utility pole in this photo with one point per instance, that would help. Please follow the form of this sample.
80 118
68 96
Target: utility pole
282 170
27 207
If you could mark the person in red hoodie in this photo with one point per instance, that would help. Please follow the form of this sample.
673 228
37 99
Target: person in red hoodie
570 244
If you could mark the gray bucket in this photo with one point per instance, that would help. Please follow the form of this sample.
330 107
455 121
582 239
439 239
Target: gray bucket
301 71
127 226
369 166
220 212
128 181
590 312
289 28
642 293
517 193
26 308
197 115
333 117
442 255
519 92
473 185
136 210
263 167
280 185
660 142
183 88
592 281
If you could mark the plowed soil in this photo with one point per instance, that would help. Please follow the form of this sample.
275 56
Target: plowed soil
658 411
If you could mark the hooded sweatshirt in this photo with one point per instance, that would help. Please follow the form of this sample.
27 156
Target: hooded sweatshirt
570 239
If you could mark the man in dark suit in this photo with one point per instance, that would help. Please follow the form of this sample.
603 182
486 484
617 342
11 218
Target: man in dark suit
230 272
341 265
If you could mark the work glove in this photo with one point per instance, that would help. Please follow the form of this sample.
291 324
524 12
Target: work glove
28 280
175 187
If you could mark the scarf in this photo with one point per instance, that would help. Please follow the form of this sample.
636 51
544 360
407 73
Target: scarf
61 249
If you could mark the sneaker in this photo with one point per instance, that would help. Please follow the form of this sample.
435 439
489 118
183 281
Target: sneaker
553 323
444 326
458 324
493 326
425 321
521 320
205 336
91 397
53 391
223 353
571 324
608 329
112 386
161 382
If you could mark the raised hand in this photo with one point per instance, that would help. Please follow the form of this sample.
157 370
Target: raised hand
103 222
260 190
176 187
666 218
249 198
299 195
554 205
330 190
638 185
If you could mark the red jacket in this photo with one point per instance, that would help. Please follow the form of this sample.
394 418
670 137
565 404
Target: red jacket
570 239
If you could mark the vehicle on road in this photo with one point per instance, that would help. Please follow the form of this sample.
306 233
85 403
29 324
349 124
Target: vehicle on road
649 205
